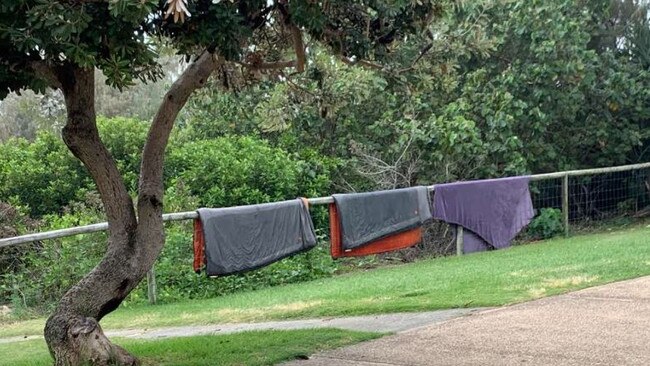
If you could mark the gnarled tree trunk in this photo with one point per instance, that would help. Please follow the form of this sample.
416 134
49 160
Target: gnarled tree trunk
72 332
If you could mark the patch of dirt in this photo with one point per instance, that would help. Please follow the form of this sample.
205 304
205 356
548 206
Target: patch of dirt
240 315
563 282
296 306
537 292
568 281
5 311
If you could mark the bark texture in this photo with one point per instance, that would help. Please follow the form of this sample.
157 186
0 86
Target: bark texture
72 332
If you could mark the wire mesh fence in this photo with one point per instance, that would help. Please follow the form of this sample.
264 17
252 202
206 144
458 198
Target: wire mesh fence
546 193
594 198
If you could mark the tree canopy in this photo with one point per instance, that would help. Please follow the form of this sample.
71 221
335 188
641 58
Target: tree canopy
120 37
505 88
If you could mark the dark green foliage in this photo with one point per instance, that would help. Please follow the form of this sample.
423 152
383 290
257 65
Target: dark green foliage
49 268
244 170
118 37
505 89
42 175
13 221
103 34
124 138
547 224
45 177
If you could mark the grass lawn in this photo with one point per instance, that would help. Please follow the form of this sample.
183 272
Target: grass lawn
249 348
484 279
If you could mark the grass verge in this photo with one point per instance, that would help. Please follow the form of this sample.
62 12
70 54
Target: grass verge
248 348
484 279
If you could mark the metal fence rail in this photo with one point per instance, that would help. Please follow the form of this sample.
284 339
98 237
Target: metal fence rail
579 196
190 215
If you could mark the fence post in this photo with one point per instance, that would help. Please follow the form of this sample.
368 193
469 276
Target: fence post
565 203
459 240
151 286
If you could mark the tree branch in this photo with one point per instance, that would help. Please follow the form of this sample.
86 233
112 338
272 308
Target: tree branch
151 233
194 77
360 62
269 65
423 52
288 80
82 138
299 48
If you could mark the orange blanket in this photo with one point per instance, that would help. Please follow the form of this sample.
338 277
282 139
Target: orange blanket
199 246
391 243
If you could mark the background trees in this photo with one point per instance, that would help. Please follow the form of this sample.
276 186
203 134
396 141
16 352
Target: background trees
504 88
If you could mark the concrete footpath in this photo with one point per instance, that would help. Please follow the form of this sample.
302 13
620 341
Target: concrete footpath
383 323
605 325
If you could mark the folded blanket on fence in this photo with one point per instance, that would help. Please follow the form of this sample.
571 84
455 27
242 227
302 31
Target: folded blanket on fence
377 222
239 239
390 243
493 209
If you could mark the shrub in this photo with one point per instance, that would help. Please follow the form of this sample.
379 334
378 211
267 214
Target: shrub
124 138
51 267
223 172
231 171
547 224
42 175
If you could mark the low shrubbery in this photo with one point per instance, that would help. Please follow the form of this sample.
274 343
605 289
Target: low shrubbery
43 180
547 224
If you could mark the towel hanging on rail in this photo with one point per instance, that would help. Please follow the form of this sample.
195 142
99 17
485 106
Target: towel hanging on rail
239 239
377 222
495 210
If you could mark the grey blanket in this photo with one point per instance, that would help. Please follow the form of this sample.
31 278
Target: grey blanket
493 209
239 239
366 217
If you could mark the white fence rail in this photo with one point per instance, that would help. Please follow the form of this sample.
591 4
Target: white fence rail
190 215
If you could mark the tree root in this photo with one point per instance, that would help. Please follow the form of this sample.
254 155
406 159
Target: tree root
84 343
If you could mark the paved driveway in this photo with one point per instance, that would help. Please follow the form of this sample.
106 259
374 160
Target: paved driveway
605 325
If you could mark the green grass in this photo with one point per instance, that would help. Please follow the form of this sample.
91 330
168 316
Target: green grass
248 348
484 279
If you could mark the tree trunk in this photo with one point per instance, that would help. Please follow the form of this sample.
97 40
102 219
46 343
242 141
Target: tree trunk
72 332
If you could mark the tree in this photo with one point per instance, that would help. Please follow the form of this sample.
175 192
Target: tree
23 115
58 44
506 89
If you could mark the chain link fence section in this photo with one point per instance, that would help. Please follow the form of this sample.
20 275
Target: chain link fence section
609 196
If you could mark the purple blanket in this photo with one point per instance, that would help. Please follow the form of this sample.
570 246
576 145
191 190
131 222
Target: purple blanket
493 209
473 243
